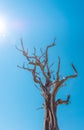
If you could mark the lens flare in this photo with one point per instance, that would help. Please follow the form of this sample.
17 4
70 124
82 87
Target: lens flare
2 27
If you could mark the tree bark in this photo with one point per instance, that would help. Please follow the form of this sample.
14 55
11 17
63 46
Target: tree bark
50 120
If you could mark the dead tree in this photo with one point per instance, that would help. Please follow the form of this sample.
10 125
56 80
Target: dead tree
49 86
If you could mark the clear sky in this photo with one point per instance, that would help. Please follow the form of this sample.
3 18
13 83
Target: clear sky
38 22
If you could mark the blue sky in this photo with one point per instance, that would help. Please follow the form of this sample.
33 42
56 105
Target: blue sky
38 22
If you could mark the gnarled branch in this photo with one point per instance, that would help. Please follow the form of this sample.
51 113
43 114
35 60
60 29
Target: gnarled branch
60 83
36 78
60 101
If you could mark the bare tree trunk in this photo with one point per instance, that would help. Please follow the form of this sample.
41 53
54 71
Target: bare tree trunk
50 120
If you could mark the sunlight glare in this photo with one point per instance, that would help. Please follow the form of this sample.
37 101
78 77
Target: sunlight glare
3 27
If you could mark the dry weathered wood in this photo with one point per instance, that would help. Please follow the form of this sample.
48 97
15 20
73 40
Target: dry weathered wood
50 102
60 101
60 83
58 77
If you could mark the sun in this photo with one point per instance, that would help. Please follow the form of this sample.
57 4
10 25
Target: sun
3 27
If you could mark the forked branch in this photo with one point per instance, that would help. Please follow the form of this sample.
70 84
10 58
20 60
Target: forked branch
36 78
46 52
36 60
58 84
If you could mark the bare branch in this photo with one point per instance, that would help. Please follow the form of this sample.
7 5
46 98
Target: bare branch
51 65
58 77
39 108
34 51
18 49
60 83
42 54
25 68
60 101
22 44
70 76
25 53
35 60
46 52
74 68
49 72
36 78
